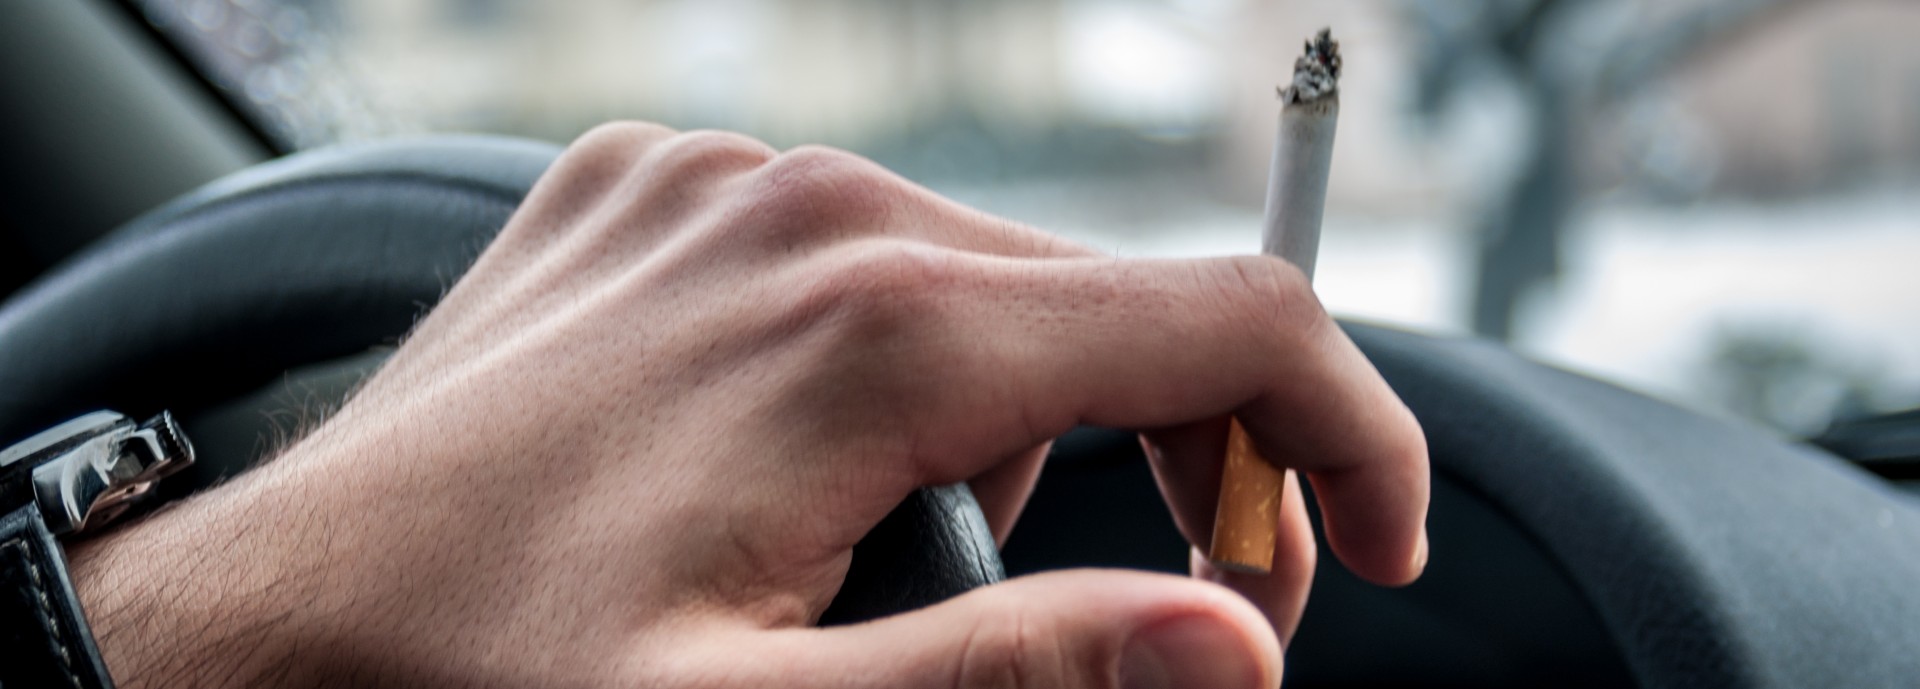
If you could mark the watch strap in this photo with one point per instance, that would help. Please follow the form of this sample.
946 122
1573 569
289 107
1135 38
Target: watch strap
44 639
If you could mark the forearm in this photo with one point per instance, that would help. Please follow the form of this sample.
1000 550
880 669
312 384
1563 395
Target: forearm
197 595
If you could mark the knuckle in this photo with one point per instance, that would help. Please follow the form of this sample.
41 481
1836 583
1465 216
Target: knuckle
600 157
819 187
621 133
581 178
1011 650
707 151
1275 295
1407 442
617 143
818 162
875 288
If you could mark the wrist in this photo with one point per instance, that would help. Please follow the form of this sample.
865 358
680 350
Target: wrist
187 596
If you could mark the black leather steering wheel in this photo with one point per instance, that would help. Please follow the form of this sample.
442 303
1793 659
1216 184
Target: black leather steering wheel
1706 553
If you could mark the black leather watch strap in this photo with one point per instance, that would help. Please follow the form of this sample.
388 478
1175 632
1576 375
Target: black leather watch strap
44 639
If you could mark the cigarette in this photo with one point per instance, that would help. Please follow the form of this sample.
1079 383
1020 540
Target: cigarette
1245 523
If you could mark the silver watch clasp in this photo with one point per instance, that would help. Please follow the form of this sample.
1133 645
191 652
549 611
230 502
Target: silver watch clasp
89 470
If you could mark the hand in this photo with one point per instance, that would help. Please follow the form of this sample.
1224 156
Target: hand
635 444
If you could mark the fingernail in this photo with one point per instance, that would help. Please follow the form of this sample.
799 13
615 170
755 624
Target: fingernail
1191 651
1420 553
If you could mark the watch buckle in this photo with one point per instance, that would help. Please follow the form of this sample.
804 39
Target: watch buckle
108 469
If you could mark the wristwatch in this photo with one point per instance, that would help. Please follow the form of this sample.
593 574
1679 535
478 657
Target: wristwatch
68 480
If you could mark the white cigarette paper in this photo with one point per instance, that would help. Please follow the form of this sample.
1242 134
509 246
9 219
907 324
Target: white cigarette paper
1245 526
1303 154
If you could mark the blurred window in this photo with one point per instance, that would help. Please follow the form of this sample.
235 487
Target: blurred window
1712 200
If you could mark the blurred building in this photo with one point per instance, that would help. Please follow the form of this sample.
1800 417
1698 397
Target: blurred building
1810 97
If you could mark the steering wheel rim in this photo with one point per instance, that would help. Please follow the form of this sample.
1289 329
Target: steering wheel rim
1689 534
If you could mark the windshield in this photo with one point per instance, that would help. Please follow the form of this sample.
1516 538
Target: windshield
1710 200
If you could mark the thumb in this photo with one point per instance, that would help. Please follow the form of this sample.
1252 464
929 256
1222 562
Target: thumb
1087 628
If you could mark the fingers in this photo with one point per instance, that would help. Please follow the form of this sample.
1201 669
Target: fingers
1281 594
1186 461
1002 490
1050 334
1155 344
1091 629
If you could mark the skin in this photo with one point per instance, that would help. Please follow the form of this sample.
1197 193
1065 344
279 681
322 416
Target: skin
635 444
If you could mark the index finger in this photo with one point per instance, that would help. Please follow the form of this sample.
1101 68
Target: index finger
1154 343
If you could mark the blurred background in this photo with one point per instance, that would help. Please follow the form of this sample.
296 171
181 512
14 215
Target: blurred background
1714 201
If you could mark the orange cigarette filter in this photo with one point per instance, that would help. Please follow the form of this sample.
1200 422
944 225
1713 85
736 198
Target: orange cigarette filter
1244 525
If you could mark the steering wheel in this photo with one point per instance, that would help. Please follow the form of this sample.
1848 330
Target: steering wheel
1679 549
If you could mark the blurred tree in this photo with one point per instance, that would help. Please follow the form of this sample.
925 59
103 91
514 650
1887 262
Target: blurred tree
1566 59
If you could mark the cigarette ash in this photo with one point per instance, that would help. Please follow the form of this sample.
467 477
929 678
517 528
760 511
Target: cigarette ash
1316 74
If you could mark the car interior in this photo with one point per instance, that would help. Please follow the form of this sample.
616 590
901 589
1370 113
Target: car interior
158 251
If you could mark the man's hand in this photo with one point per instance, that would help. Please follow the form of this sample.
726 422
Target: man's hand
636 443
